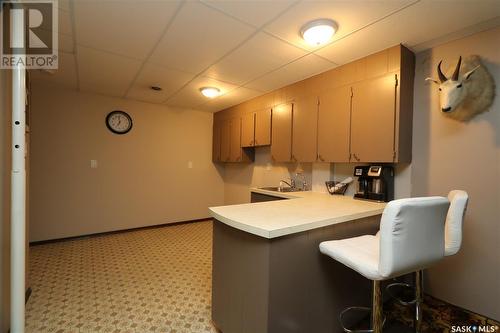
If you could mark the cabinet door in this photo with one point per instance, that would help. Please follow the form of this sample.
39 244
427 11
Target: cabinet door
373 117
263 127
305 126
216 141
248 130
225 140
281 129
334 118
235 140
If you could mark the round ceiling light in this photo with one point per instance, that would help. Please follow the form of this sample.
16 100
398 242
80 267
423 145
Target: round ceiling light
318 32
210 92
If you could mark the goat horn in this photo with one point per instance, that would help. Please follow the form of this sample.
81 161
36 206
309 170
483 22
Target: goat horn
454 77
442 77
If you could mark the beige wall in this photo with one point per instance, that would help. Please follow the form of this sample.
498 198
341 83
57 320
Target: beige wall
5 139
142 177
452 155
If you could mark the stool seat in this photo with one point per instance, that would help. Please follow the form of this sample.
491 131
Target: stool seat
359 253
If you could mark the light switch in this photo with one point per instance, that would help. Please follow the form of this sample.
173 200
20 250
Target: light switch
190 165
93 164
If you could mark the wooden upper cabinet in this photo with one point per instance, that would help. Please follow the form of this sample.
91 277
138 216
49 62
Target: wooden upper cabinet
305 123
357 112
281 132
334 117
373 119
235 140
225 140
263 127
248 130
216 141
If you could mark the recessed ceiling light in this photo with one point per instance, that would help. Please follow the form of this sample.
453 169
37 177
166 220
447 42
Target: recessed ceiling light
318 32
156 88
210 92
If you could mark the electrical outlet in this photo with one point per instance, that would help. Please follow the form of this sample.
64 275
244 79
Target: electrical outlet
190 165
93 164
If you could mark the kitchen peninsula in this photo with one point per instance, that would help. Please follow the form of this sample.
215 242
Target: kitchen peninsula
268 274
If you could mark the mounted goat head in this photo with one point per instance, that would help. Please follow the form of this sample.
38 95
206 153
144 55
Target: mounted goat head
464 97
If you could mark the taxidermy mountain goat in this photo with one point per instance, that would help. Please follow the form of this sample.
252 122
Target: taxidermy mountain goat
464 97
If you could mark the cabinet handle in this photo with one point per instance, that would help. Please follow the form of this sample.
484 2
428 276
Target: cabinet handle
251 142
321 158
256 142
356 157
293 158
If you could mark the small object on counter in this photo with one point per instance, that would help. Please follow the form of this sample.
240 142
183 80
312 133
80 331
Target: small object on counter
335 187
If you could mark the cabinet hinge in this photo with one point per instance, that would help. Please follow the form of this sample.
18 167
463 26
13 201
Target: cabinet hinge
396 79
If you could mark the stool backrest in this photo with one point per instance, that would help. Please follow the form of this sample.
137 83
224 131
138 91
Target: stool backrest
412 234
454 221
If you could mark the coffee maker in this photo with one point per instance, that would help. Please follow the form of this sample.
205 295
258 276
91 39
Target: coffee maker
375 182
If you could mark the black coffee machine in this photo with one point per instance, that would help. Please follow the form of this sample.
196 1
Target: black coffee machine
375 182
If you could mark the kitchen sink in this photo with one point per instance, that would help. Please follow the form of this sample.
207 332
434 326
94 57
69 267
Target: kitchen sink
281 189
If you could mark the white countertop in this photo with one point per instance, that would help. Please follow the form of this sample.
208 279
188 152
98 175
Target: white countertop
304 211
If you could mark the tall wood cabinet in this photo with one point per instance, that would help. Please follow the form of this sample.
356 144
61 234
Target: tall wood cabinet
334 121
304 129
281 132
373 117
263 127
225 140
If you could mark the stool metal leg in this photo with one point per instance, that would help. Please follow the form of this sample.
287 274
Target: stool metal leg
377 308
419 298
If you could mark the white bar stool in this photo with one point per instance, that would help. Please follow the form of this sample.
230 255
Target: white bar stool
452 243
411 239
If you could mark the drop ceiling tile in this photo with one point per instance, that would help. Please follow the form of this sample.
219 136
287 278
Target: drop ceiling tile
129 28
349 15
298 70
170 80
233 97
198 37
251 12
105 73
190 96
65 75
261 54
409 28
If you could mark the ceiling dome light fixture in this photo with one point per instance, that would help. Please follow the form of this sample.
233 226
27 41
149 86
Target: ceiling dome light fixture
318 32
210 92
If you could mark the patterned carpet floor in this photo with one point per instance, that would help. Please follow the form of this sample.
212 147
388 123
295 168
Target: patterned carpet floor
151 280
158 280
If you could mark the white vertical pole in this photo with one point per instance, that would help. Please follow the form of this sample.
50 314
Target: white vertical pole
18 187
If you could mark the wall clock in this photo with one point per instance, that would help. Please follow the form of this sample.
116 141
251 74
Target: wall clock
119 122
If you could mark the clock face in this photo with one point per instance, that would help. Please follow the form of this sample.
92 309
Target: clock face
119 122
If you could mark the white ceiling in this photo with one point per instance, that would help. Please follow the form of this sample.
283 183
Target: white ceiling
244 47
